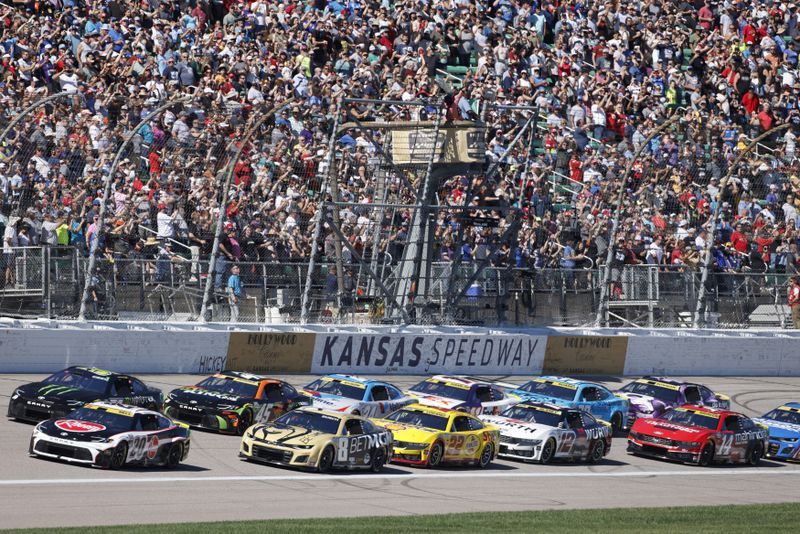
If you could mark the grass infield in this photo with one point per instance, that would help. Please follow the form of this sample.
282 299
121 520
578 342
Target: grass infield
697 519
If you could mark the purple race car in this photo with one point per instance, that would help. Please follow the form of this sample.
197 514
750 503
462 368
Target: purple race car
651 396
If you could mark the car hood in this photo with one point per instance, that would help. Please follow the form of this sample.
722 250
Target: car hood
643 403
330 402
77 430
778 429
203 397
277 434
517 428
435 400
57 393
670 430
414 434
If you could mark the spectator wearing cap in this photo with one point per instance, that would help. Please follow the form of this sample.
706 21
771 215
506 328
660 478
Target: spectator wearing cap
166 222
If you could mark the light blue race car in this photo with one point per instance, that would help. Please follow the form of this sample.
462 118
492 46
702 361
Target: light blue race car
571 393
784 431
356 395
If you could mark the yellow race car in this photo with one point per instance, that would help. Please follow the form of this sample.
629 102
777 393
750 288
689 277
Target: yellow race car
432 436
312 438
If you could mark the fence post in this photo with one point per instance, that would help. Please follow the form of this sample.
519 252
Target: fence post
223 205
109 178
602 309
700 310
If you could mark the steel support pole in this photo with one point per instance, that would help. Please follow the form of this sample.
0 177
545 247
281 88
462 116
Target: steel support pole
602 309
223 205
109 178
699 316
24 113
306 301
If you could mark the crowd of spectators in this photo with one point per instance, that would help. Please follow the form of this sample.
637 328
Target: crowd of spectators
602 76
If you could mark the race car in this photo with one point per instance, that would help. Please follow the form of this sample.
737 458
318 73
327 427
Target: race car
355 395
67 390
784 431
700 435
312 438
571 393
111 436
651 396
424 435
539 432
461 393
231 401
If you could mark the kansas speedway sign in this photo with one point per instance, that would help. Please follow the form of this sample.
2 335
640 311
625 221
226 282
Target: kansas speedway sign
424 354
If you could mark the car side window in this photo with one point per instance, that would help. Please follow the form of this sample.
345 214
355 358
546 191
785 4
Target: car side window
368 427
497 394
121 387
476 424
460 424
272 393
588 420
732 424
394 393
589 394
484 393
163 422
148 422
602 394
138 387
574 420
288 391
707 394
692 394
746 424
353 427
379 393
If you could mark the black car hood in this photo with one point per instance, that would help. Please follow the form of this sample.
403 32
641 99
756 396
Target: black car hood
60 428
57 393
197 396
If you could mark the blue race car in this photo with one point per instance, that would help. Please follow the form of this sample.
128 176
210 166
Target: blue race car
355 395
571 393
784 431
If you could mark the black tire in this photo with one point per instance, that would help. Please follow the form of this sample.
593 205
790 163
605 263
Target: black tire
487 455
326 458
596 451
706 455
356 412
245 422
616 423
174 455
118 456
378 460
436 455
755 454
548 451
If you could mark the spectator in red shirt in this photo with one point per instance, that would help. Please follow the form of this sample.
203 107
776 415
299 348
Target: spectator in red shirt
750 101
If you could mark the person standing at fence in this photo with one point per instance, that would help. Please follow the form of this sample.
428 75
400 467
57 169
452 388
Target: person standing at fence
794 301
10 240
234 292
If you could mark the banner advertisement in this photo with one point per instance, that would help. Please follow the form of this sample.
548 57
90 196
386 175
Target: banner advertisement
585 355
270 352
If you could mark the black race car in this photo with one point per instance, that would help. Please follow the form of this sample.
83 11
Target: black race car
111 436
59 394
231 401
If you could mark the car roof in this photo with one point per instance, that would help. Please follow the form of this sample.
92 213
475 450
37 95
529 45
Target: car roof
793 406
443 412
544 405
121 409
707 409
455 379
662 379
351 378
245 375
92 370
314 409
573 382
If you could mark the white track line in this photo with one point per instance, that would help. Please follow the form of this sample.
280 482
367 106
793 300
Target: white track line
322 478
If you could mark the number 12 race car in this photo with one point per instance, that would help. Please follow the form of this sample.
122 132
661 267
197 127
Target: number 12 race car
541 432
700 435
317 439
111 436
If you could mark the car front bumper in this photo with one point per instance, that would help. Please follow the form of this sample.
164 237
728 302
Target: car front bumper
656 451
257 451
784 450
69 451
35 410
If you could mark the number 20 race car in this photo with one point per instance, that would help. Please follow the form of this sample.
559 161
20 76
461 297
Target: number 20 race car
700 435
312 438
111 436
541 432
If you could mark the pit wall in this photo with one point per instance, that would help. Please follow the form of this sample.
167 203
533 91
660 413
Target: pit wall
47 346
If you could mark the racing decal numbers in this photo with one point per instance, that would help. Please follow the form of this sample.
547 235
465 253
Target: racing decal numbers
566 442
136 447
725 447
455 443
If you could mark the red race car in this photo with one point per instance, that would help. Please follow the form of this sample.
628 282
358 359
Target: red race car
700 435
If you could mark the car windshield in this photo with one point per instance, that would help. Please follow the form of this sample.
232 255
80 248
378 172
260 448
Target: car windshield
327 424
419 418
670 396
549 389
350 390
533 415
112 421
441 389
231 386
784 416
692 418
78 378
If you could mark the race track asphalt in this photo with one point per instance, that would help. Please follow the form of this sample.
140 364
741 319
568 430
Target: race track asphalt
215 485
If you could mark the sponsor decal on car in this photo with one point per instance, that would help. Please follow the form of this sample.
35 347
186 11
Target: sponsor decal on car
72 425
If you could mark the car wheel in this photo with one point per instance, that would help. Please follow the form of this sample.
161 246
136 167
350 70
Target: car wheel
616 423
706 455
487 455
597 451
326 459
436 455
245 421
548 451
755 454
378 460
356 412
119 456
174 455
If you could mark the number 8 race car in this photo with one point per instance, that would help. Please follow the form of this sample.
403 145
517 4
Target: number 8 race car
111 436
